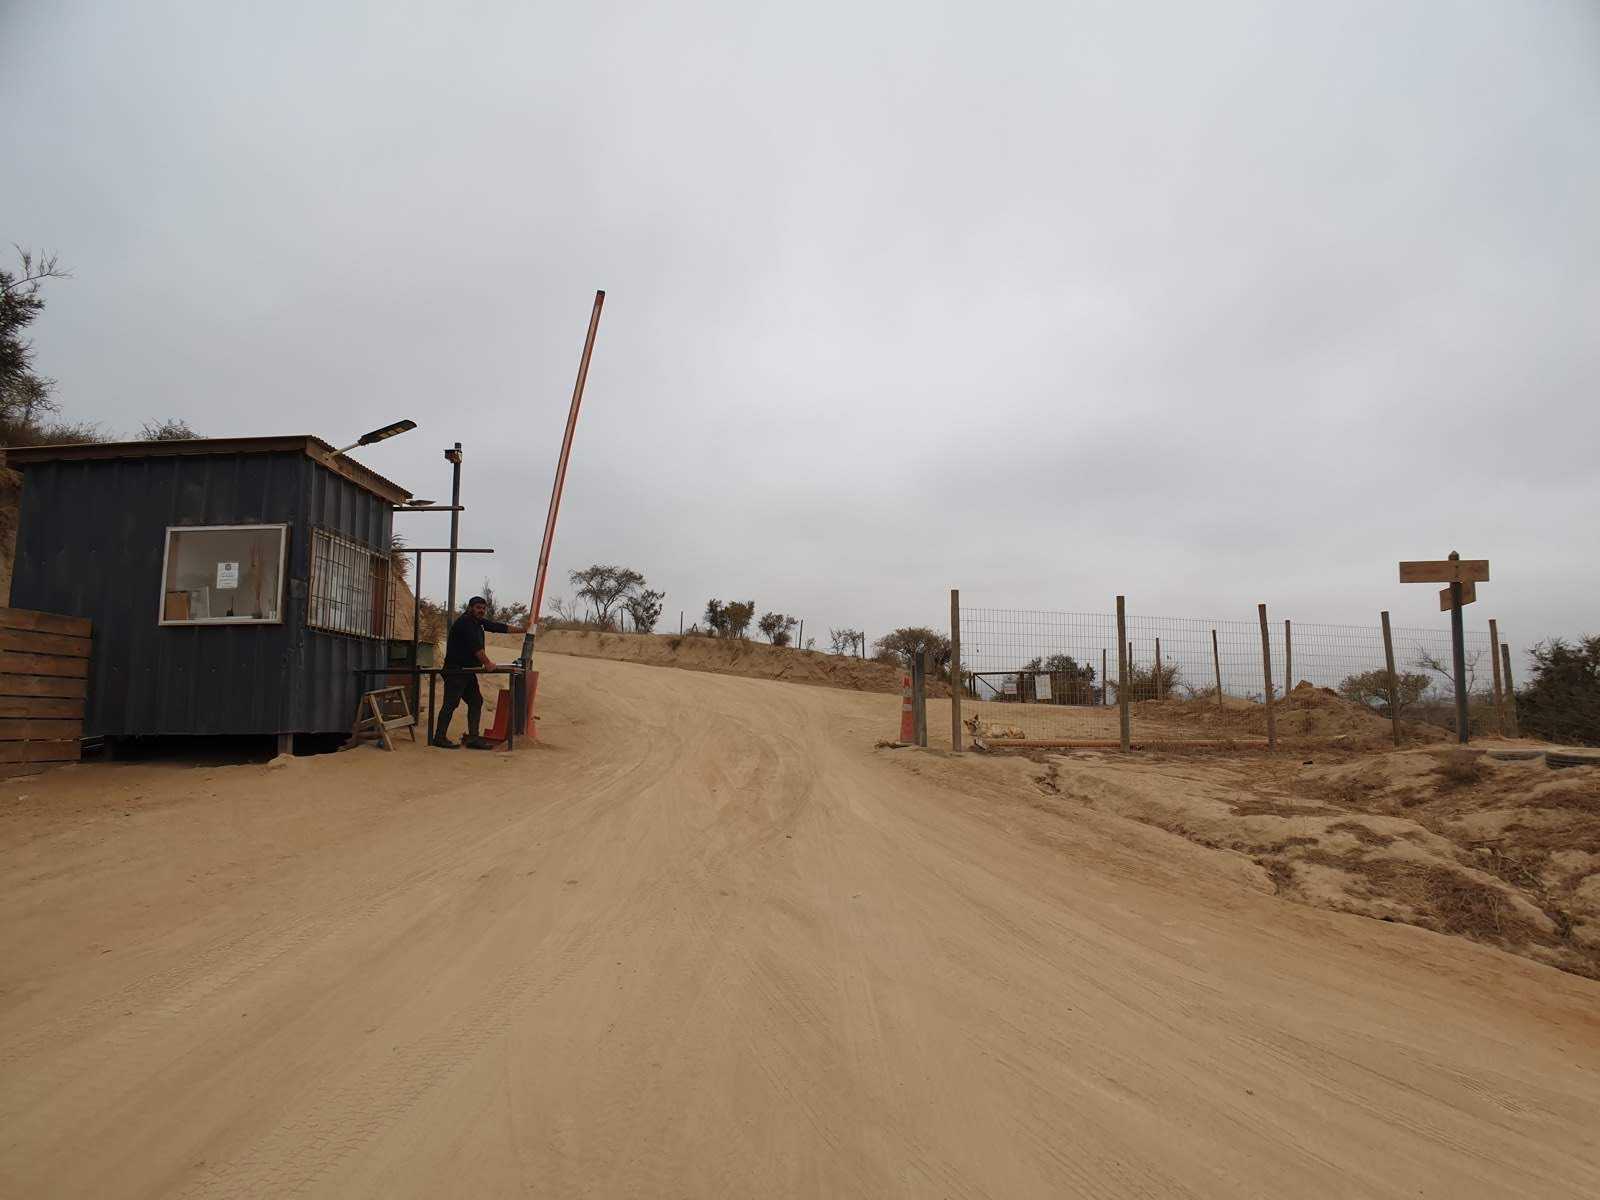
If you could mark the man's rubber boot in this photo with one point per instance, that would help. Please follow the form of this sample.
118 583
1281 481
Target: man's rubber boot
474 742
444 743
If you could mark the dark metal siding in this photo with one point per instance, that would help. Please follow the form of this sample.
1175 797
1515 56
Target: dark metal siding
90 541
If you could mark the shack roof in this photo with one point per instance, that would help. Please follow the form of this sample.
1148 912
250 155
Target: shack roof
312 447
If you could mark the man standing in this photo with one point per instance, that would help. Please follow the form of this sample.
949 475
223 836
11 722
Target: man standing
463 657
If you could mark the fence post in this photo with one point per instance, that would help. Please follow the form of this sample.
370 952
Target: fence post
1494 657
919 713
1123 668
1157 685
1216 661
922 698
1511 691
955 670
1394 682
1105 684
801 644
1288 662
1130 662
1266 675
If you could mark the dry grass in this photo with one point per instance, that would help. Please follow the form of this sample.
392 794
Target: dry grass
1460 769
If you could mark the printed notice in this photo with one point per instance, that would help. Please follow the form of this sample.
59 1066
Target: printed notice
227 575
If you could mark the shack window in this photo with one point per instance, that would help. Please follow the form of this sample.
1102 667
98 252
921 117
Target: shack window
223 575
349 587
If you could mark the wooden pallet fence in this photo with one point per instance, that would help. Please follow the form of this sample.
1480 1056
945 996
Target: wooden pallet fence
44 671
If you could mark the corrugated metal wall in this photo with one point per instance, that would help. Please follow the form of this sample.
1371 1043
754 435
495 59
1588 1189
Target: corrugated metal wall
90 543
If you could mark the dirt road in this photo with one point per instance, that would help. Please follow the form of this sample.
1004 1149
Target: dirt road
708 941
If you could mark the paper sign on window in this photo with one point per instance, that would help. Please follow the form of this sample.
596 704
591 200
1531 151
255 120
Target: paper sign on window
227 575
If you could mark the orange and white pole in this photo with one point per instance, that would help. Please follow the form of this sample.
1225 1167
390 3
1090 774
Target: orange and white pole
561 479
908 716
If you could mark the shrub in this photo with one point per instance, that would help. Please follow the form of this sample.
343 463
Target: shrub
645 610
904 644
1561 700
1371 689
776 627
731 620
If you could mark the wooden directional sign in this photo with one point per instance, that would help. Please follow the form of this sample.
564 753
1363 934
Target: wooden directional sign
1446 570
1469 593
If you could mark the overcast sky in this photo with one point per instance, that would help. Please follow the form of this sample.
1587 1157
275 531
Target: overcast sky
1208 304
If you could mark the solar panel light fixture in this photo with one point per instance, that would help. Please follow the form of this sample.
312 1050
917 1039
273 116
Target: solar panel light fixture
379 435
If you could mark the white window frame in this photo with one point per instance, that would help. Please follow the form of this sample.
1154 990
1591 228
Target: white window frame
166 568
312 597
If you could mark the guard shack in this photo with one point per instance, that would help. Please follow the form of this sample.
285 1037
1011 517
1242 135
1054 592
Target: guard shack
235 586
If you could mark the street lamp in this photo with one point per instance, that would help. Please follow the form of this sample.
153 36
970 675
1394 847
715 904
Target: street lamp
379 435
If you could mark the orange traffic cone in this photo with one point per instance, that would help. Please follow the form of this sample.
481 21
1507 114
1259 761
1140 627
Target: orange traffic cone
505 708
908 718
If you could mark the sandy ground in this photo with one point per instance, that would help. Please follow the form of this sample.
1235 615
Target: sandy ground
708 941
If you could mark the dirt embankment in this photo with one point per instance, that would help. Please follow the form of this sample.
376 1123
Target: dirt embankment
1501 852
728 656
1306 712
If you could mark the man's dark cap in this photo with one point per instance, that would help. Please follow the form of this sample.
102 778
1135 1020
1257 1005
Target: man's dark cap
476 600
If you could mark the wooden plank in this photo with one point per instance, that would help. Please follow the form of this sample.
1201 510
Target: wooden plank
42 685
38 752
25 641
1469 593
40 706
1445 570
40 729
12 663
39 622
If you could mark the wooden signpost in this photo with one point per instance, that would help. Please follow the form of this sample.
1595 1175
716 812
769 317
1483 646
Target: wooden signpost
1460 573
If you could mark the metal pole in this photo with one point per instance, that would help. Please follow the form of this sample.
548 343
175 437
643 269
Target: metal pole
1288 662
1266 675
1494 657
1458 655
1511 691
1105 684
561 479
955 670
416 636
1158 670
1123 666
454 455
1394 682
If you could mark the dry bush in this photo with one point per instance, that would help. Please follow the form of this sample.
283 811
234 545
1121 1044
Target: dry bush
1460 769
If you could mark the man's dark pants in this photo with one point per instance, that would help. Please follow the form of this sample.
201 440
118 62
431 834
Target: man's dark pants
458 686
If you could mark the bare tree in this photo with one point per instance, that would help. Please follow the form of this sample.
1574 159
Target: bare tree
604 587
844 641
173 429
1428 661
25 395
515 613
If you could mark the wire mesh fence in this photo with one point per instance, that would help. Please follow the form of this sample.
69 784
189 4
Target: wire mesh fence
1033 675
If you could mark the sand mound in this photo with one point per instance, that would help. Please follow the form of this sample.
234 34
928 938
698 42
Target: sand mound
753 660
1307 711
1501 852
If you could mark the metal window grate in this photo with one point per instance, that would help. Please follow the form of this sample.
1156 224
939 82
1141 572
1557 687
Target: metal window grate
350 587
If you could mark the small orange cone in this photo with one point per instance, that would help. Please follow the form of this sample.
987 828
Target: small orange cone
504 707
908 718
